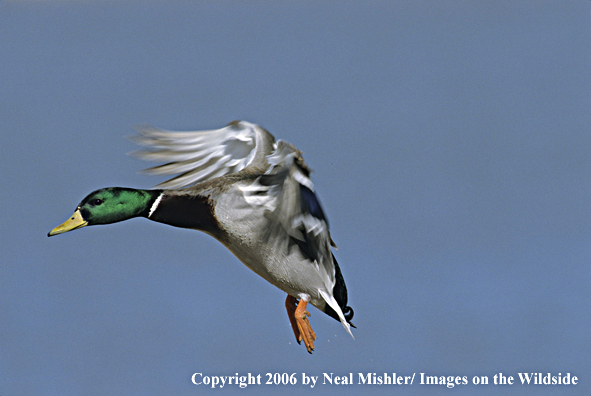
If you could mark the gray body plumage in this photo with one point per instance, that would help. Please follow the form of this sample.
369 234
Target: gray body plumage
259 195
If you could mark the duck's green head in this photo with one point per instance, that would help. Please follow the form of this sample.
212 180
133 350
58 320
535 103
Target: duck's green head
108 205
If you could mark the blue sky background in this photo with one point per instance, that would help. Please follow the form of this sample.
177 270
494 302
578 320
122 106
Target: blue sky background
451 146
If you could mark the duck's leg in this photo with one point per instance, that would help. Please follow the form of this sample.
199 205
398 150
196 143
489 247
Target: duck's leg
291 304
298 317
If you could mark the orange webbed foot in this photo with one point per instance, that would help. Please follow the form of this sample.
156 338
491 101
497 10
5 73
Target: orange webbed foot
298 317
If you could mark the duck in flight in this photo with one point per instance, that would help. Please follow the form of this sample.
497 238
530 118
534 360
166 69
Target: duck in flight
251 193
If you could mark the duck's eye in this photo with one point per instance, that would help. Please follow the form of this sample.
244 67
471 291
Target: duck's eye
97 202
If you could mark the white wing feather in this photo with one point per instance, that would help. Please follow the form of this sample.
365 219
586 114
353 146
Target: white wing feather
201 155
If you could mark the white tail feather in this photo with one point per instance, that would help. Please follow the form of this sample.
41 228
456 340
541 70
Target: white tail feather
335 306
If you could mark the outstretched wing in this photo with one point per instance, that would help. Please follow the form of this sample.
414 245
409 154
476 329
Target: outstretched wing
197 156
292 205
295 206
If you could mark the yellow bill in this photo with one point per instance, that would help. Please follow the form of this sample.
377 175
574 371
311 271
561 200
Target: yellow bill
74 222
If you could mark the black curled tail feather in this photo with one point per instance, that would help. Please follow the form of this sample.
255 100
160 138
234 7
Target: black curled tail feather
348 312
340 294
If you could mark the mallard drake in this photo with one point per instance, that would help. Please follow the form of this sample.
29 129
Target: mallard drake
251 193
